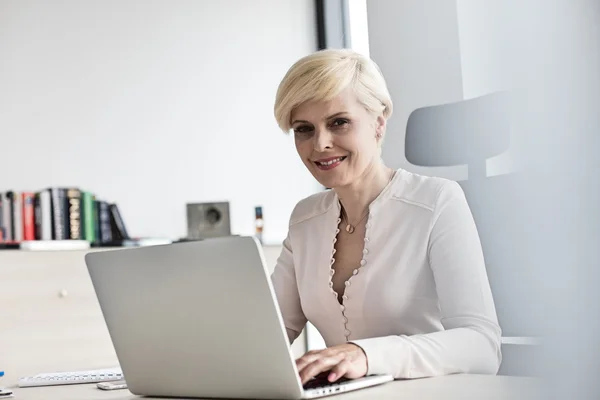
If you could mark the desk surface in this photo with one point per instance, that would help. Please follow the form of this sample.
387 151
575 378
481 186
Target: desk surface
480 387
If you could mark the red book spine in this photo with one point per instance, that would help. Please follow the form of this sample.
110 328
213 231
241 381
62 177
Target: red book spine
28 216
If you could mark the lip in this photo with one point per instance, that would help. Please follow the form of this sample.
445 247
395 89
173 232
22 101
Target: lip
319 165
327 159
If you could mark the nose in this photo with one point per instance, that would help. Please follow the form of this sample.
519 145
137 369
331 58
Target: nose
323 140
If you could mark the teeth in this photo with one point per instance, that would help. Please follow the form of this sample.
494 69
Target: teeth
330 162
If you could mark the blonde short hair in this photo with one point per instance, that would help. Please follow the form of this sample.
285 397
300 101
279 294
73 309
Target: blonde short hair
323 75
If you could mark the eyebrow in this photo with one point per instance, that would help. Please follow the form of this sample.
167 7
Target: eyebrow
337 114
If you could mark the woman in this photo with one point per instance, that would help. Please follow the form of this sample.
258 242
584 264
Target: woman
387 265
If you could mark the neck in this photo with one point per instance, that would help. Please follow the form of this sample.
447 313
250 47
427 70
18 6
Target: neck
357 197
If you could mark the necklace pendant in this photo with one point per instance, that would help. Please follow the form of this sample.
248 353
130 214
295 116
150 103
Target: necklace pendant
349 229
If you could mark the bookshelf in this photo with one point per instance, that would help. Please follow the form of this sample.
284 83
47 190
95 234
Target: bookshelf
60 214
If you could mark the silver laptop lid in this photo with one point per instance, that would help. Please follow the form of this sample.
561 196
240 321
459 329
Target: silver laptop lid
195 319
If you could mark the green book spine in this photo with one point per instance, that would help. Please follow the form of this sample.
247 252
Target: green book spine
89 221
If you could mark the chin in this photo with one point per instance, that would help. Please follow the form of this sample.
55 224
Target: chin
328 180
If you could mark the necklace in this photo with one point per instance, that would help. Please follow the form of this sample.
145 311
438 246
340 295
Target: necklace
350 228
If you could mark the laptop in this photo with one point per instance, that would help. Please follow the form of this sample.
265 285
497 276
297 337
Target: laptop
200 319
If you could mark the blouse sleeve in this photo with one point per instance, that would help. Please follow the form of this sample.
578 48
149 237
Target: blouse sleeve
470 342
286 291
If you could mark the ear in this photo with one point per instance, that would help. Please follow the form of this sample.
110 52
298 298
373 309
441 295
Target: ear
380 125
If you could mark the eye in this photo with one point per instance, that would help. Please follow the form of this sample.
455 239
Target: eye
302 128
303 131
339 122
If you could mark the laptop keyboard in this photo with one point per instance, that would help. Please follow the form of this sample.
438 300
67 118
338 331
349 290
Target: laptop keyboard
320 381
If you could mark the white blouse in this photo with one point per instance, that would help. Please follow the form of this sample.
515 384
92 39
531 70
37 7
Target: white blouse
419 304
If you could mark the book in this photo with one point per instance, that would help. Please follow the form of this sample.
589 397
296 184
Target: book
60 214
28 212
73 196
7 217
89 216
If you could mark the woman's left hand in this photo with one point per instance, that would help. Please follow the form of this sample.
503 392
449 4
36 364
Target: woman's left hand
347 360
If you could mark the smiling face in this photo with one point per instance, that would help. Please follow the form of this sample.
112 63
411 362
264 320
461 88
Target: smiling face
338 140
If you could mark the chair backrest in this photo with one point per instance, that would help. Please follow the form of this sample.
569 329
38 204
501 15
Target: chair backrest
464 132
468 133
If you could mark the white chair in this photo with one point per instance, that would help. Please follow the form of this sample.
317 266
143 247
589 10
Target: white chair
468 133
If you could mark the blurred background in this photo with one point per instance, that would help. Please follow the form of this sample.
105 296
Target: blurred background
165 107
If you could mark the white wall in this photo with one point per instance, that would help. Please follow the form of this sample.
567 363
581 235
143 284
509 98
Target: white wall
416 45
484 32
490 59
440 51
152 104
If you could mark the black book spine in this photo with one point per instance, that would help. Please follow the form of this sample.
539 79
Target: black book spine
106 235
118 225
37 208
10 196
65 212
6 216
59 218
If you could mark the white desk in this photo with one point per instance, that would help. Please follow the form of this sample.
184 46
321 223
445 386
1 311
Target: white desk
475 387
56 325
